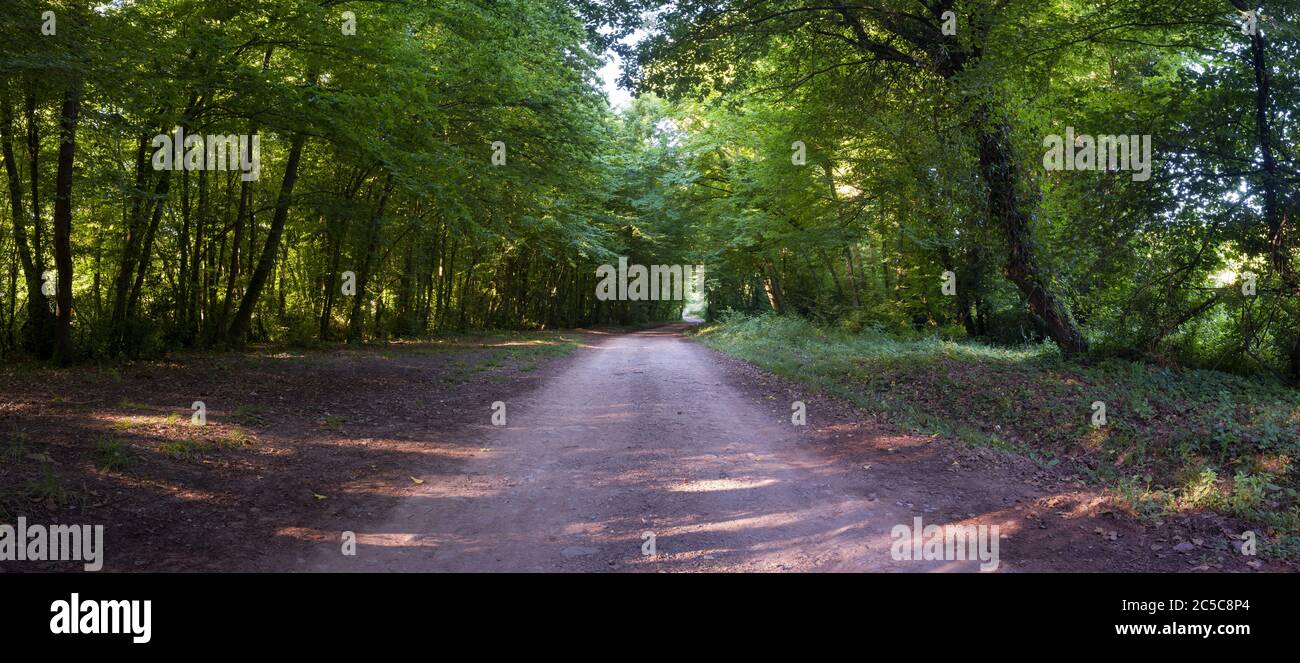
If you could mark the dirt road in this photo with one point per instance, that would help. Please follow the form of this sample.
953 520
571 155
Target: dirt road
640 433
650 433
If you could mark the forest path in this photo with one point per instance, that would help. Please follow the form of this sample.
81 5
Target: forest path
649 432
640 433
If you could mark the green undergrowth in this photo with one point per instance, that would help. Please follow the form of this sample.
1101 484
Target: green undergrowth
1173 440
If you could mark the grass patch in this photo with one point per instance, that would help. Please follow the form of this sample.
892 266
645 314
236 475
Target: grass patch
235 439
192 449
111 455
182 449
1174 440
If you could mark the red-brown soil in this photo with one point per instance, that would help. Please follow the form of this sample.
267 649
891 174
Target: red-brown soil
632 433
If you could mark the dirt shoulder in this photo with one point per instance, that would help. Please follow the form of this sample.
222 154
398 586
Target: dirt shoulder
293 438
1054 520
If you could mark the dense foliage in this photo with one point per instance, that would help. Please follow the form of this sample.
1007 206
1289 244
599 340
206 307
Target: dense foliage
453 163
925 154
456 165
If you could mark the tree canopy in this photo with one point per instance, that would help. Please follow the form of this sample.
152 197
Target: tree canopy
436 166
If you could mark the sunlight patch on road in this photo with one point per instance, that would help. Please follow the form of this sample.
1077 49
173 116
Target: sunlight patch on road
451 450
713 485
770 520
434 486
385 539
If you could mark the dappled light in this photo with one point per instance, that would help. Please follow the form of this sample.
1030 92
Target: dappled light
651 286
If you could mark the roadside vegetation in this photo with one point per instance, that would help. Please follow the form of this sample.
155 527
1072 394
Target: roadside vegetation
1175 440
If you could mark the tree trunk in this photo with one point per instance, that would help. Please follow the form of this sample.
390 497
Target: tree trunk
464 291
1280 238
183 245
63 220
332 284
33 154
772 286
239 328
999 169
961 296
232 274
38 332
446 279
193 303
146 251
356 319
12 299
130 249
246 205
853 276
